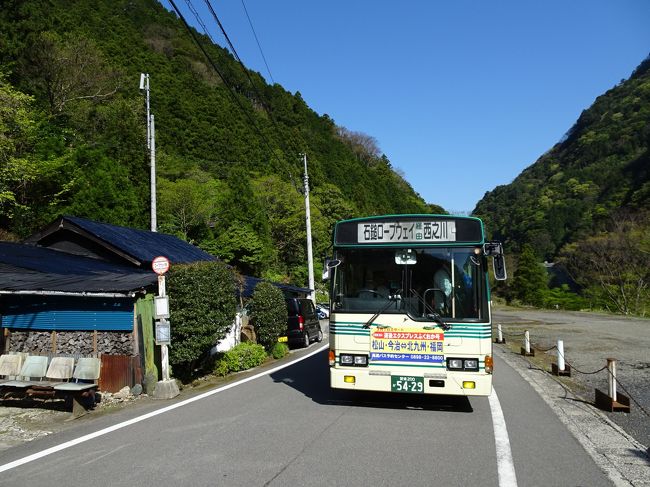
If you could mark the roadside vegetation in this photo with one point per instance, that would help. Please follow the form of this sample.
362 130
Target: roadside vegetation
608 271
203 296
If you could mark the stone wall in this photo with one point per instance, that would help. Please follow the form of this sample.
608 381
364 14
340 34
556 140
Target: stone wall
70 342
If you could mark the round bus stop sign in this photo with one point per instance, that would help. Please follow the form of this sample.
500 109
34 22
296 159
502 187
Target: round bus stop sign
160 265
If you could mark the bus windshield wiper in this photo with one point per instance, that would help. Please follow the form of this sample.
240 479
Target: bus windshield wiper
438 319
430 313
391 299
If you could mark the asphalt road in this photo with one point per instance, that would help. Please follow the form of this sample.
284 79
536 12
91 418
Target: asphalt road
287 427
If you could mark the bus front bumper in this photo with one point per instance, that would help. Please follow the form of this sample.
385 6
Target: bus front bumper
451 383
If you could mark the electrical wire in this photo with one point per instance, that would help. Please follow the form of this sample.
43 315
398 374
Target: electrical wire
230 89
260 98
223 78
258 41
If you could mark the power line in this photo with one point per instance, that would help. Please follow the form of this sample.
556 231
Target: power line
258 41
223 78
253 85
231 91
241 63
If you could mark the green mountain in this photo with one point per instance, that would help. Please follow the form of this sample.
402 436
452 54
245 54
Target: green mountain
600 168
73 138
586 202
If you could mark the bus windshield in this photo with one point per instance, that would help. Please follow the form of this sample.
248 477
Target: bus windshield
445 281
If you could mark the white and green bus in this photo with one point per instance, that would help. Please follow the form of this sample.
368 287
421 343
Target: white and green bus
410 305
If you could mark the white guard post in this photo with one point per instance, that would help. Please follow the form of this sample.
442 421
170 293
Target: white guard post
561 367
526 350
500 334
613 400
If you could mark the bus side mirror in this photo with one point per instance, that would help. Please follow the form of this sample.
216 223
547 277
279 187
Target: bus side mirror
495 250
499 267
328 266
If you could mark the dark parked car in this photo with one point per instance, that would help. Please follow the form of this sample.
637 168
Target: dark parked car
303 326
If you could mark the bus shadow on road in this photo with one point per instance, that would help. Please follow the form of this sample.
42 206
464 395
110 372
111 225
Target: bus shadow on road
311 378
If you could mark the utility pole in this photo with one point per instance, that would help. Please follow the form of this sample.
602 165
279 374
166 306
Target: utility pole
151 146
310 259
154 222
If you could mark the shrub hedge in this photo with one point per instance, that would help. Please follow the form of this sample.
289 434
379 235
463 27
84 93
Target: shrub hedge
202 307
268 314
279 350
241 357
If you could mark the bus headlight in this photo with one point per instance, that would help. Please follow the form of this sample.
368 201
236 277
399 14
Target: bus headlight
466 364
352 360
455 363
470 364
360 360
346 359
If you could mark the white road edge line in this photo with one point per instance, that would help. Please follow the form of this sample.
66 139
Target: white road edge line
115 427
505 465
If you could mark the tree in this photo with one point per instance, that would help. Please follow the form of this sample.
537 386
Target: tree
286 218
240 246
68 70
530 279
17 131
32 172
613 265
268 313
187 206
202 303
364 146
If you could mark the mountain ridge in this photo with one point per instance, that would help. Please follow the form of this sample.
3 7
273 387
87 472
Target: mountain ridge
229 169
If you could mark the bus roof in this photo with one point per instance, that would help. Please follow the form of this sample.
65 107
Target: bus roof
409 230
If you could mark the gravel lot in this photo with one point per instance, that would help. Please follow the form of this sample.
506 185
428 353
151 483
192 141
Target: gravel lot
589 339
26 420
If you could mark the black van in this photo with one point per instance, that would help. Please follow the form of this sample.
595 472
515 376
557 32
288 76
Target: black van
303 326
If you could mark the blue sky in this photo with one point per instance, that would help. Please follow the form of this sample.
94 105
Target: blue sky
460 95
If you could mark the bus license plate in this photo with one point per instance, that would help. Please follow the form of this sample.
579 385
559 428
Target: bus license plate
406 383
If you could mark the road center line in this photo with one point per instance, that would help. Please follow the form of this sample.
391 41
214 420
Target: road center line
115 427
505 464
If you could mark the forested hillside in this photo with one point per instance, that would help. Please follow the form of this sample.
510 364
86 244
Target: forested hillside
585 204
73 138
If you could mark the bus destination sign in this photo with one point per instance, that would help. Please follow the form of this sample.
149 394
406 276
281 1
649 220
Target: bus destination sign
407 232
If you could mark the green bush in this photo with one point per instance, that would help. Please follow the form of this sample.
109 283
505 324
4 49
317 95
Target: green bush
268 314
279 350
202 306
241 357
563 298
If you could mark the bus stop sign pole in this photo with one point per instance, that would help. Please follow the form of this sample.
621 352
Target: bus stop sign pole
165 388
